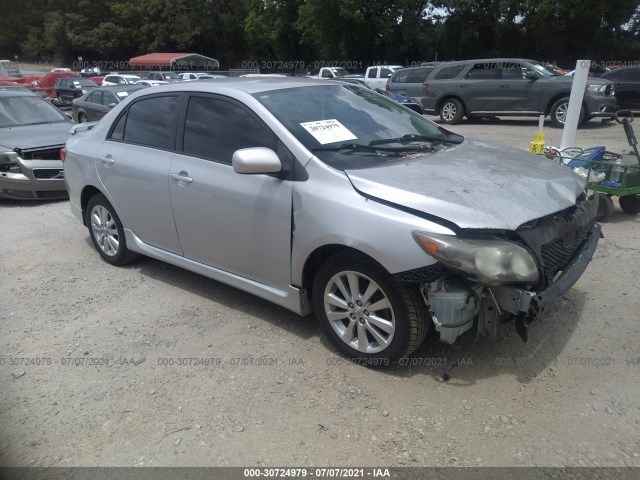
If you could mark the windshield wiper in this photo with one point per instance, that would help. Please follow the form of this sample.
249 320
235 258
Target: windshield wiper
370 148
410 137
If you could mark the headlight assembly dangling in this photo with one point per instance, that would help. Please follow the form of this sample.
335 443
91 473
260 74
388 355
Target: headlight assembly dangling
493 262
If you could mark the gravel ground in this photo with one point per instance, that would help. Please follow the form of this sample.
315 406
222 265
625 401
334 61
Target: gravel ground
90 365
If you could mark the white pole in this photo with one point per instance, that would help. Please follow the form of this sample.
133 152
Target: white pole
575 103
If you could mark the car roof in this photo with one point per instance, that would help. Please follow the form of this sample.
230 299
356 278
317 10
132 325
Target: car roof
16 91
248 85
121 88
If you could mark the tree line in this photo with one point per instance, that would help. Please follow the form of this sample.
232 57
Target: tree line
305 31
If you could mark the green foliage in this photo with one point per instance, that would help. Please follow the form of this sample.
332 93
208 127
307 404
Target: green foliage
395 31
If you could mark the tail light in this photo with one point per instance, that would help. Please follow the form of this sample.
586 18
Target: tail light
425 88
63 153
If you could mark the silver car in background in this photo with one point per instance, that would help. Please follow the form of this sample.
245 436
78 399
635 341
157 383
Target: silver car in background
328 197
32 133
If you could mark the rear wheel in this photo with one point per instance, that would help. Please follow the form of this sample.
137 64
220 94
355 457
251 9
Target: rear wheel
451 111
107 233
605 207
366 313
630 204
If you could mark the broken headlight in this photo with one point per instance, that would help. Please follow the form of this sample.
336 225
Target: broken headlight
492 262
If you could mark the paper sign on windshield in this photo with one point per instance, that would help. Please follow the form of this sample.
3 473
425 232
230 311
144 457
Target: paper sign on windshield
328 131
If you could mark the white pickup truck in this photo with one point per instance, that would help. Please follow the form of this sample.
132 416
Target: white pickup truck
376 77
329 73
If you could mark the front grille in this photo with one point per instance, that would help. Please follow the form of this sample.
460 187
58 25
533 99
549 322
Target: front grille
419 275
555 255
48 173
18 193
43 153
52 194
556 238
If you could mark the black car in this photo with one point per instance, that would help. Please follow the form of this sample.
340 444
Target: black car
95 104
68 88
627 87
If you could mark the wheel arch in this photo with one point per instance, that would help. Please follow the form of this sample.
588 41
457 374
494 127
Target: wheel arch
322 254
557 97
447 97
87 192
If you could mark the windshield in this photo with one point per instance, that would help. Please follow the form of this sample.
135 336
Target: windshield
541 69
326 118
28 110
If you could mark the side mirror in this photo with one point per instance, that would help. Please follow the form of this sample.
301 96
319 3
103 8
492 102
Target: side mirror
255 160
111 105
389 75
531 76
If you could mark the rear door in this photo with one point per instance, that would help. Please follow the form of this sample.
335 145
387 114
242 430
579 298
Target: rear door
237 223
478 87
93 106
133 164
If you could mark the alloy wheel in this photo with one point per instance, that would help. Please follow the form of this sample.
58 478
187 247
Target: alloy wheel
105 230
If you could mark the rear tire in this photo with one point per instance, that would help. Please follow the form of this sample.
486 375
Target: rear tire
451 111
367 314
630 204
605 207
106 232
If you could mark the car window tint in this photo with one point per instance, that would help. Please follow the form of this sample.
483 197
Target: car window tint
449 72
614 75
513 71
385 72
95 97
418 75
482 71
108 98
152 121
118 130
632 74
216 128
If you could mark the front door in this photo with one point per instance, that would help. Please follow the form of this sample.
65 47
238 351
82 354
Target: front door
237 223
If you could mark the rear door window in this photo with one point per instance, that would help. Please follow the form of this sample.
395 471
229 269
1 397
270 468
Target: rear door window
450 72
152 122
483 71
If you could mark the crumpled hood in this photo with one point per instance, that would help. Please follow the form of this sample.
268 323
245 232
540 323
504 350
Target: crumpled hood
33 136
474 185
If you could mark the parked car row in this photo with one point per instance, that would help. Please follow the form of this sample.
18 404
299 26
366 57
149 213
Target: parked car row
502 86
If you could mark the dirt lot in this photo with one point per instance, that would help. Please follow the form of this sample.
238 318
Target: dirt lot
90 365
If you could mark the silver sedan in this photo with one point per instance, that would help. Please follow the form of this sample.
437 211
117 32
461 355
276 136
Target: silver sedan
330 198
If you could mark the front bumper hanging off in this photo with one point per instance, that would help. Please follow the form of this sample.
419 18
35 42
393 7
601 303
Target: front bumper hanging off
526 306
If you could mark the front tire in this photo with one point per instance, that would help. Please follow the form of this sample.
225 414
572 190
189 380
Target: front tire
367 314
106 232
558 113
451 111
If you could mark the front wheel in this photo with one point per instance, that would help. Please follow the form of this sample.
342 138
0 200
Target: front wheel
630 204
365 313
451 111
107 234
559 110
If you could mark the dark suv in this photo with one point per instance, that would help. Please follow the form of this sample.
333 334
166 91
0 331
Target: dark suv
509 86
68 88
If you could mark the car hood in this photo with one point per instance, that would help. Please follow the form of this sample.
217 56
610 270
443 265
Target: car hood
33 136
474 185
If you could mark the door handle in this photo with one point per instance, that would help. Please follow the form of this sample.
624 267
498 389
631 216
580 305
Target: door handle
504 85
182 177
107 160
464 85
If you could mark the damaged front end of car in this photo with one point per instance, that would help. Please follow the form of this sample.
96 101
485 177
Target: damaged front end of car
485 278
